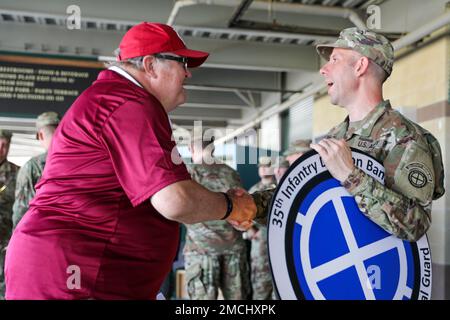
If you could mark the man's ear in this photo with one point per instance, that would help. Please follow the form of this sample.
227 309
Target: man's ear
361 66
149 66
40 135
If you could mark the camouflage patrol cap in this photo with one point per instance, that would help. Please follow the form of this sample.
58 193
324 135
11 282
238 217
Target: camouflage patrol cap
264 162
280 162
298 146
5 134
49 118
368 43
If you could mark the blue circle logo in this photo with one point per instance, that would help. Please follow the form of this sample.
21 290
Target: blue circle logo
321 246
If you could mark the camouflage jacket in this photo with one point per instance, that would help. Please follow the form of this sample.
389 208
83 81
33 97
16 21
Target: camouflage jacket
213 237
414 172
27 178
266 189
8 172
260 186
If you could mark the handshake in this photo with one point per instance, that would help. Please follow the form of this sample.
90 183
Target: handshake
244 209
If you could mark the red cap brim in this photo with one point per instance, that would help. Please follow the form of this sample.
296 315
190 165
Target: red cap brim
195 57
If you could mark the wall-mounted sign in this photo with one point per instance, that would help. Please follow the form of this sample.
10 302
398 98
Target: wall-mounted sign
29 89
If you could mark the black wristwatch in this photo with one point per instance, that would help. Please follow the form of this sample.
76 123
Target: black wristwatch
229 205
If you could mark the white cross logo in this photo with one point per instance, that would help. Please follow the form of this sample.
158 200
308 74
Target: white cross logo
355 257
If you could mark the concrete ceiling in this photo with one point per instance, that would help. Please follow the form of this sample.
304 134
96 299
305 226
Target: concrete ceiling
250 65
243 63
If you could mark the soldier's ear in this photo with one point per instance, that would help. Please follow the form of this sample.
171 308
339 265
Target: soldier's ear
361 66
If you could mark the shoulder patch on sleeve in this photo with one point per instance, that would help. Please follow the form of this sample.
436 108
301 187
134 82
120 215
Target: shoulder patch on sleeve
419 174
414 175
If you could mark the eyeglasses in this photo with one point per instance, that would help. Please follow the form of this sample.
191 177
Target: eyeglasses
182 60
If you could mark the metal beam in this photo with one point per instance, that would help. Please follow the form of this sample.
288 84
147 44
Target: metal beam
235 79
248 100
256 56
423 31
247 34
212 106
232 89
188 124
200 113
239 12
277 7
225 98
136 10
224 53
113 25
318 86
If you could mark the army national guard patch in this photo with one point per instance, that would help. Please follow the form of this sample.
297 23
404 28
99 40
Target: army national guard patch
321 246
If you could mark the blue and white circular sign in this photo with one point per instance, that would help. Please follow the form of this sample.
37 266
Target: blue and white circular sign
321 246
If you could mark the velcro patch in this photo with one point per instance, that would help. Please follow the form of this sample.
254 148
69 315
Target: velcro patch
419 175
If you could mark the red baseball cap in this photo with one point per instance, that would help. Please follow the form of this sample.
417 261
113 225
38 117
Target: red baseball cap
148 38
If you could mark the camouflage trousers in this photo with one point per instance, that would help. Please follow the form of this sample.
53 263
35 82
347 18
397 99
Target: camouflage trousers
261 277
205 274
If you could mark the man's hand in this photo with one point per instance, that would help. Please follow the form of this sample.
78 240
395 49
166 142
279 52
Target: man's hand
244 209
337 157
241 226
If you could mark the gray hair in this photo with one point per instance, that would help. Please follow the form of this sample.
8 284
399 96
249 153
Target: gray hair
49 129
136 63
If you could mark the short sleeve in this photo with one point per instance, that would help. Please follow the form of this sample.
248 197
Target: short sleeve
138 139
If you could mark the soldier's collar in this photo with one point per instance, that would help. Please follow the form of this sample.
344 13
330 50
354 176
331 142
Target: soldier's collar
364 127
272 180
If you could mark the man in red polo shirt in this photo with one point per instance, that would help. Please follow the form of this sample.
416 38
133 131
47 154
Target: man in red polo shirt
104 222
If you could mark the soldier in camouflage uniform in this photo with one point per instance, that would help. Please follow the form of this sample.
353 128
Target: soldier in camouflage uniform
8 172
262 199
280 167
31 171
261 278
359 63
296 150
215 252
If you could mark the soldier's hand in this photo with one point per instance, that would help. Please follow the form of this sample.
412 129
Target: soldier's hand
337 157
241 226
244 208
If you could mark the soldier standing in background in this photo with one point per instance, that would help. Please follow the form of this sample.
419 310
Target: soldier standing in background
215 252
31 171
359 62
261 278
280 167
296 150
8 172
